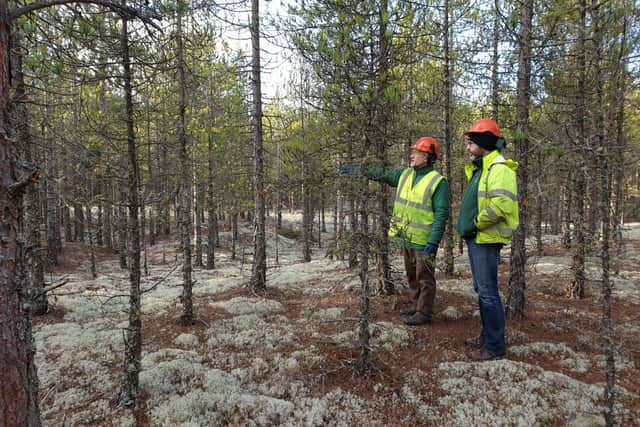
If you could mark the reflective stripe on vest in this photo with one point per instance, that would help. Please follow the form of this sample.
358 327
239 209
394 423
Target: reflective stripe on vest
412 211
502 231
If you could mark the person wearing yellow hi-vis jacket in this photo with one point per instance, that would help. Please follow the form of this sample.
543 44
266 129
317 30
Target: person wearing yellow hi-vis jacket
420 214
488 218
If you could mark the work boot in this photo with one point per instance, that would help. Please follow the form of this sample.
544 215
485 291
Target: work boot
475 342
407 311
417 319
485 356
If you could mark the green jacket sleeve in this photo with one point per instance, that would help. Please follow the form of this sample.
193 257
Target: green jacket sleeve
440 203
390 176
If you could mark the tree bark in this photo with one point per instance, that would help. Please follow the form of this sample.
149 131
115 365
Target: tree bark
32 212
92 250
362 365
199 214
576 286
54 240
185 193
212 223
516 295
495 84
381 119
121 225
133 342
19 385
259 267
604 203
449 244
567 186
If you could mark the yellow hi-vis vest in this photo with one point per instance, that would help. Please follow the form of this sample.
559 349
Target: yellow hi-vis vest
412 210
498 215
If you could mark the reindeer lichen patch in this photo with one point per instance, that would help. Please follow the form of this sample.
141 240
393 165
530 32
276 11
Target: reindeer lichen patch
298 275
331 313
187 341
244 305
577 362
69 338
385 335
249 331
222 408
171 371
460 287
512 393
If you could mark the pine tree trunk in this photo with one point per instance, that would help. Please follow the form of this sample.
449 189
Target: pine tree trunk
604 203
66 221
198 211
108 219
32 252
339 227
54 241
100 226
353 227
234 233
19 386
449 244
259 267
567 187
133 342
538 227
185 191
323 226
495 84
121 224
362 365
381 119
620 146
384 285
92 250
540 202
516 294
576 287
78 222
212 223
143 224
307 217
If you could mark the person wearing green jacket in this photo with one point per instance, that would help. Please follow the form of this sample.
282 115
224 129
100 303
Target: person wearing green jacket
420 214
487 220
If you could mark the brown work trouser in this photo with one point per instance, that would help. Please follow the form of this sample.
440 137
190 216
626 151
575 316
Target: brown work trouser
420 270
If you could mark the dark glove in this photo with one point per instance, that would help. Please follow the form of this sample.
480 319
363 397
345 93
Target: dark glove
347 169
430 249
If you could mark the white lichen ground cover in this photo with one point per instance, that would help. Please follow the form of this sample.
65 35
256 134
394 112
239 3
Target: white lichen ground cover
263 360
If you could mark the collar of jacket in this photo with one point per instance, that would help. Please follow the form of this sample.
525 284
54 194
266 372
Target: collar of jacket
487 161
424 169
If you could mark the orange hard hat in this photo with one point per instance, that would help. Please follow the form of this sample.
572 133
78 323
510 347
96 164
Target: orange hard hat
484 125
427 144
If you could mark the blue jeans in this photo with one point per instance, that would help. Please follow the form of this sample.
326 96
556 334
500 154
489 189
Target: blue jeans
484 267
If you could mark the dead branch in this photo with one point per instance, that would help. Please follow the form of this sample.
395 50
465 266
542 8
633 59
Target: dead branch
51 287
146 16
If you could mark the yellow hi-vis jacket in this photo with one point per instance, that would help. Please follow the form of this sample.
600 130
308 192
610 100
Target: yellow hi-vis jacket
412 209
498 215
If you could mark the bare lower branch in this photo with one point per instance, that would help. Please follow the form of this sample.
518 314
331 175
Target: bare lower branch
52 287
146 16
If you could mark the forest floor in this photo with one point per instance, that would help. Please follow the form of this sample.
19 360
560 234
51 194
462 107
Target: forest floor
286 357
